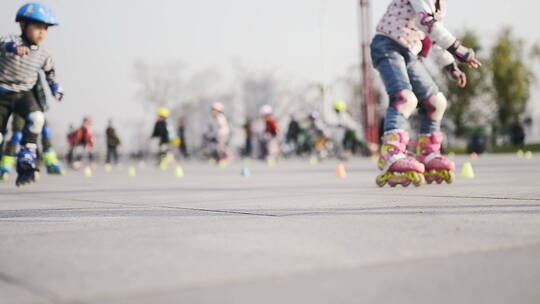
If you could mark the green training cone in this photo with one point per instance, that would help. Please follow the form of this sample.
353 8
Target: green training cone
87 172
179 172
467 171
132 172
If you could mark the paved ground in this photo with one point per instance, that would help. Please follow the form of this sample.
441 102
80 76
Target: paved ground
288 234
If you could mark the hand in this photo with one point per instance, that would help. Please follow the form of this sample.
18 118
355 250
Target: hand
57 92
59 96
464 55
22 51
473 64
456 74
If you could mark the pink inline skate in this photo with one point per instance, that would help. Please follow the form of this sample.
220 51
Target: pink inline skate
397 167
438 167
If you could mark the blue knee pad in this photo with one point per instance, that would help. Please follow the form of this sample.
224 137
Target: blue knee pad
46 133
15 138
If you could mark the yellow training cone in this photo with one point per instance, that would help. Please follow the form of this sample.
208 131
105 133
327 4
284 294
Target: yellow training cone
313 160
340 171
179 172
519 153
132 172
222 164
528 155
108 168
87 172
271 162
451 154
467 171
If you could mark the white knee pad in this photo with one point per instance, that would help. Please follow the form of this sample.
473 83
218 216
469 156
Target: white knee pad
405 103
435 106
1 138
37 120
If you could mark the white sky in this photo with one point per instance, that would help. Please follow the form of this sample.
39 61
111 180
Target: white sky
98 41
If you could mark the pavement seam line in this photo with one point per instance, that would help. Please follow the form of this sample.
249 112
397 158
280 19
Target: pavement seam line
37 291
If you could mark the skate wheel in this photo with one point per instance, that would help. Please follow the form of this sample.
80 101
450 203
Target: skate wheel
380 181
451 177
406 183
422 180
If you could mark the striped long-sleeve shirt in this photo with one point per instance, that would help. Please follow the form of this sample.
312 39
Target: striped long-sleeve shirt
20 73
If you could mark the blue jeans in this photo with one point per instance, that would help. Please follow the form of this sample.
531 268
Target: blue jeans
401 70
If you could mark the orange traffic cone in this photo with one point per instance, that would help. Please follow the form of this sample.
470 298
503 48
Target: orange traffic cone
340 171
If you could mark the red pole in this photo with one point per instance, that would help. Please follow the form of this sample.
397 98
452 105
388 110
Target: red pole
369 102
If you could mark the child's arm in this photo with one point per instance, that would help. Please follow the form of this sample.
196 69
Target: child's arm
50 75
437 32
444 59
7 45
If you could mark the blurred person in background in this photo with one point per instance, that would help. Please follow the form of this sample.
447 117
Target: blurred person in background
113 141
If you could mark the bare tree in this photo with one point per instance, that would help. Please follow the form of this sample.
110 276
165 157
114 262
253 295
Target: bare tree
160 85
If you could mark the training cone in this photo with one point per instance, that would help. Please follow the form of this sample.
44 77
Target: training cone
271 162
340 171
467 171
179 172
451 154
108 168
132 172
519 153
528 155
245 172
313 160
87 172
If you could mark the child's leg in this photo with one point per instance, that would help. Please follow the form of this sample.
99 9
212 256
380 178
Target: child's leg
49 155
7 162
432 107
389 59
26 106
432 102
6 108
397 168
17 126
46 137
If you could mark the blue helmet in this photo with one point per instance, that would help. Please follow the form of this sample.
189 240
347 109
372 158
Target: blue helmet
36 12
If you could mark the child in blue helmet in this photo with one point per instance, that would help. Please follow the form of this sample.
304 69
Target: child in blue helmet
48 155
21 58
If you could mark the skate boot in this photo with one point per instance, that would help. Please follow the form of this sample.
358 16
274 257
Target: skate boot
27 171
397 167
52 164
6 166
438 167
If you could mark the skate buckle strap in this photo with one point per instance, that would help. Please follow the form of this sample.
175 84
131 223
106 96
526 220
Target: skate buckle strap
389 162
430 157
